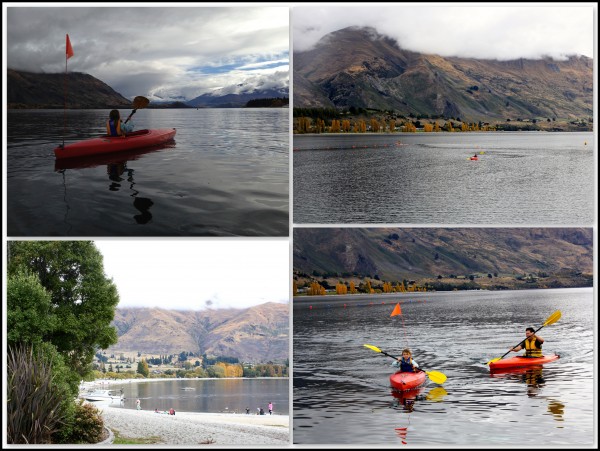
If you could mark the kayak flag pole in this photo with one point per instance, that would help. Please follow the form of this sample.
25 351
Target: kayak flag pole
68 54
398 311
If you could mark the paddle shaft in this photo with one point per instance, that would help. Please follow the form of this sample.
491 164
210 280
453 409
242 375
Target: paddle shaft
132 113
520 343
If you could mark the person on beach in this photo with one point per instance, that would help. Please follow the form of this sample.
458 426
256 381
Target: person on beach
406 362
532 344
247 410
138 405
262 412
270 408
171 411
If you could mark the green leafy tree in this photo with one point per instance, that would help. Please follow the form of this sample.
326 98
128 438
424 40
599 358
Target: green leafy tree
82 300
142 368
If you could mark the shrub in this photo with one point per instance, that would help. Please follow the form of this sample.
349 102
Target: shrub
35 404
87 425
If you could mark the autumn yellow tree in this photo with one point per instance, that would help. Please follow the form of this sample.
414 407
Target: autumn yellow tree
345 125
392 126
341 288
374 125
409 127
335 126
303 124
464 127
368 287
352 288
387 287
427 127
316 289
295 288
436 127
320 126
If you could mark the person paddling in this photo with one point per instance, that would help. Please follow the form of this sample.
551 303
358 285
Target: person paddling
406 362
115 126
532 344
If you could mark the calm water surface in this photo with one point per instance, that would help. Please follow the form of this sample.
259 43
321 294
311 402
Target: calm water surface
520 178
341 391
226 174
208 395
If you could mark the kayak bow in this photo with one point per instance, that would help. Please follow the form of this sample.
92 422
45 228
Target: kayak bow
406 380
106 144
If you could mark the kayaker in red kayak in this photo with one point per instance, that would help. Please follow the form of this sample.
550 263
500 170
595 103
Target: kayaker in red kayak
406 362
532 344
115 126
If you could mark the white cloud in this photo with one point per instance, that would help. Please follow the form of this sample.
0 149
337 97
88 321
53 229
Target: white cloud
198 274
487 31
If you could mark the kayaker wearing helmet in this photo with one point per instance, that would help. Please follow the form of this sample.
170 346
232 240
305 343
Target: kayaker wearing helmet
532 344
406 362
116 127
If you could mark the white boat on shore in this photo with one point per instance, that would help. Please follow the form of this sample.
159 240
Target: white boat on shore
103 395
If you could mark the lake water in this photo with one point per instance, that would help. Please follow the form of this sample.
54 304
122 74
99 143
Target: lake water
226 174
427 178
208 395
341 391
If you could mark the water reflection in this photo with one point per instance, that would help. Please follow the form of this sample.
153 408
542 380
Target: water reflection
405 402
533 377
557 409
117 171
142 204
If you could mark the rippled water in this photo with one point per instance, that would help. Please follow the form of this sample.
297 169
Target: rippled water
227 174
521 178
207 395
341 391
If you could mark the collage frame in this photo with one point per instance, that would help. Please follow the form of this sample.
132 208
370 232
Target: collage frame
327 206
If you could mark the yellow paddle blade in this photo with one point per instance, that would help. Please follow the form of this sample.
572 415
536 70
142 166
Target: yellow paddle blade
494 360
436 376
436 394
553 318
374 348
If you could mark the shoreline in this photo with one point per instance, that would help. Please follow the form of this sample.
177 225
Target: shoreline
106 382
198 428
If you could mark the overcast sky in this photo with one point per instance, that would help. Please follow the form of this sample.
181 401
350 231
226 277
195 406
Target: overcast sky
489 32
153 51
198 274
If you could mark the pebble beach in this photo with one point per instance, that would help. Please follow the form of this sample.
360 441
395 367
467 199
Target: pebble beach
192 429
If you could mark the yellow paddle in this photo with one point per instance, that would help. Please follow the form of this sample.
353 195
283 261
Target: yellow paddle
551 320
435 376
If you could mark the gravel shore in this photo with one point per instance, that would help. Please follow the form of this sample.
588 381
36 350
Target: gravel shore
193 429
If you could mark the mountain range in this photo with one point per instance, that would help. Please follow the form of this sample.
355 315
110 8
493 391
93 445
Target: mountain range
424 253
34 90
29 90
358 67
256 335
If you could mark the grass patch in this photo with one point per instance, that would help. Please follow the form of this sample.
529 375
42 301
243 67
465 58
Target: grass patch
122 440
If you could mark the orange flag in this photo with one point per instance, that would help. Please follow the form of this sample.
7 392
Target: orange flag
69 48
397 310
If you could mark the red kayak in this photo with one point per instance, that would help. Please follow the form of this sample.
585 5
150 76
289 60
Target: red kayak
406 380
106 144
522 362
